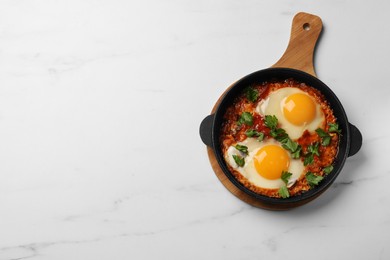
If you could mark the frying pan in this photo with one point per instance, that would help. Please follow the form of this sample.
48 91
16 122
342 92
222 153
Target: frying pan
297 63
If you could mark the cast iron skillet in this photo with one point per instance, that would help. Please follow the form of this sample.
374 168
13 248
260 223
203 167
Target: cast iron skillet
295 63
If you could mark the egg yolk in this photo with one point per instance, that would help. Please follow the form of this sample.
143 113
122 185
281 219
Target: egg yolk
270 161
299 109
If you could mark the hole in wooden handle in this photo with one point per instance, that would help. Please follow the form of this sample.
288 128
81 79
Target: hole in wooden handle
306 26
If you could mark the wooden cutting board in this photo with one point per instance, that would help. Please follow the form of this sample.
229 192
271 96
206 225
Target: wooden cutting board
306 29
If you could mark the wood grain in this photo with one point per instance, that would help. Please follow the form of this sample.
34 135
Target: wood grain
305 31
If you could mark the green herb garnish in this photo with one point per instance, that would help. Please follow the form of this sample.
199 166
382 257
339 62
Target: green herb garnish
297 153
245 118
325 137
288 144
292 146
252 133
328 169
309 159
286 176
260 138
242 148
313 179
255 133
252 94
313 148
311 151
239 160
283 192
280 135
271 122
334 128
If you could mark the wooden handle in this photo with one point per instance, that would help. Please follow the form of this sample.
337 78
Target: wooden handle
306 29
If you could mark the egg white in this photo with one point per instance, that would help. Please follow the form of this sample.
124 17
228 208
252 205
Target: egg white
273 105
249 171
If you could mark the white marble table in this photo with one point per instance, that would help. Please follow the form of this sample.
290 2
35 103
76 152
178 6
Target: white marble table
100 105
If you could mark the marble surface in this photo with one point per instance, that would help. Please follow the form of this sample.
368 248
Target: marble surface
100 106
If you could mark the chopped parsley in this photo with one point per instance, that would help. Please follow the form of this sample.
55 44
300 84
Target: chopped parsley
280 135
271 122
313 148
242 148
292 146
334 128
283 192
311 151
254 133
239 160
309 159
286 176
245 118
313 179
252 94
325 137
328 169
260 138
297 153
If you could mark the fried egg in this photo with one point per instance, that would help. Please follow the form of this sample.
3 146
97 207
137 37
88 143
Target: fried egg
265 163
295 109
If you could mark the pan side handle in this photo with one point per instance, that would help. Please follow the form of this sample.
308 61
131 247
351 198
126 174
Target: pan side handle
205 130
305 31
356 140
